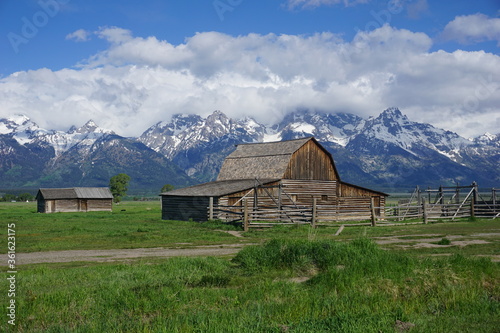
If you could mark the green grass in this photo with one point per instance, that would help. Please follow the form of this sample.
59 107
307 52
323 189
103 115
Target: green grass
139 225
298 280
352 287
130 225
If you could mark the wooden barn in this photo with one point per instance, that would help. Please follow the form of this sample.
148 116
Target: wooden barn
277 181
76 199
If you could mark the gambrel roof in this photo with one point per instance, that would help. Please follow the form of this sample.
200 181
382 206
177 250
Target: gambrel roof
268 160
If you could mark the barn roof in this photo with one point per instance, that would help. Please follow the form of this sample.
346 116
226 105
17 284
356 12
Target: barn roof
218 188
75 193
263 160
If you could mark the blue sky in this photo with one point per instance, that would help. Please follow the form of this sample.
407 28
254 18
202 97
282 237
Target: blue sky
146 60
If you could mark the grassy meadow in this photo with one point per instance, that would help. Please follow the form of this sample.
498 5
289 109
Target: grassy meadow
294 279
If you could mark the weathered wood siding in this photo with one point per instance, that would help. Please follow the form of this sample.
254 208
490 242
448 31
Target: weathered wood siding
183 208
310 162
74 205
348 190
40 205
94 205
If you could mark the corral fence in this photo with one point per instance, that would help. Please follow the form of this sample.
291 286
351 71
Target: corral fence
430 205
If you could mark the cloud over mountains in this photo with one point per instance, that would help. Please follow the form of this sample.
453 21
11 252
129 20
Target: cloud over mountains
137 81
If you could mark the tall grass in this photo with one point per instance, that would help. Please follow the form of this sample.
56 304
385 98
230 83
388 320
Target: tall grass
352 287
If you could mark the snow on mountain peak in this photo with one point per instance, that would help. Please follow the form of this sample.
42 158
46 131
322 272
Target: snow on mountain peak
19 119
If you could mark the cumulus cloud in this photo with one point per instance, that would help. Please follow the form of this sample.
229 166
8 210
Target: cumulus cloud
470 29
79 35
138 81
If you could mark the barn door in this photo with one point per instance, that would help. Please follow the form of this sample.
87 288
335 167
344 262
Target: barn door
51 206
83 205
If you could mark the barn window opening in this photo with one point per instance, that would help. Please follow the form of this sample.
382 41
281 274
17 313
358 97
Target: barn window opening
324 197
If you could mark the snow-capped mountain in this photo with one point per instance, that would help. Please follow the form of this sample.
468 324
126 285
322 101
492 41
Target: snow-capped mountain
338 128
386 152
488 139
388 149
393 128
185 132
86 156
25 131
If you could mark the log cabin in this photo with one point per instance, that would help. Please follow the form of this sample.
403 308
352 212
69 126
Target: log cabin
76 199
277 181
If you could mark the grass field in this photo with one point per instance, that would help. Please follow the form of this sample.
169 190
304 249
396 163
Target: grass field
296 279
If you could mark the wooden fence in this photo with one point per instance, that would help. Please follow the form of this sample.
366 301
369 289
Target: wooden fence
263 216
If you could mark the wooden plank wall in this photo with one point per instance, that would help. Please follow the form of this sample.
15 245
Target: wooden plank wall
306 190
310 162
329 206
66 205
183 208
347 190
95 205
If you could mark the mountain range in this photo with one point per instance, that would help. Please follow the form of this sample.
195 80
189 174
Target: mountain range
388 152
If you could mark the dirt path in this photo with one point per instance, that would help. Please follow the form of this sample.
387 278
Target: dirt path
405 241
120 254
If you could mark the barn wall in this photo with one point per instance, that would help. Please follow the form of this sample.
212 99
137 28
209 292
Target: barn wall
347 190
298 192
40 206
183 208
66 205
310 162
95 205
329 207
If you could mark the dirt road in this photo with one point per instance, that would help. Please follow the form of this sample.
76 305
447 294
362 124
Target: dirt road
120 254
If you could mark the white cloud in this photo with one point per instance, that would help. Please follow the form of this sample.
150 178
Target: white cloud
470 29
79 35
138 81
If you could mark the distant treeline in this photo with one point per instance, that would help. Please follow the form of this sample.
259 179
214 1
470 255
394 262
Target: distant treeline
8 197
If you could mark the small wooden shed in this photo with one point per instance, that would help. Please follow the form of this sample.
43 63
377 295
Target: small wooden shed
76 199
270 177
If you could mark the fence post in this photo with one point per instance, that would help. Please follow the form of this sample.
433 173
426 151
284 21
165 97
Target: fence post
210 208
313 220
372 211
472 203
424 211
245 215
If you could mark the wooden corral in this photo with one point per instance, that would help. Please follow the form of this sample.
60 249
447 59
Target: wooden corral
277 181
76 199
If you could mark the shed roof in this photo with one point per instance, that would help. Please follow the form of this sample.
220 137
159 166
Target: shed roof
260 160
75 193
218 188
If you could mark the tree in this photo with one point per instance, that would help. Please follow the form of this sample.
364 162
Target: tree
25 197
119 186
167 188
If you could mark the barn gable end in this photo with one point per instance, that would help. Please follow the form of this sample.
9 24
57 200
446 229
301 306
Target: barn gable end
294 159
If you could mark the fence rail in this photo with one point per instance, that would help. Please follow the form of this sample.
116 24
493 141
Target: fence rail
325 215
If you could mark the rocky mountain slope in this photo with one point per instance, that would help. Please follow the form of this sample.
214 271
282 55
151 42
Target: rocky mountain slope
87 156
387 152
